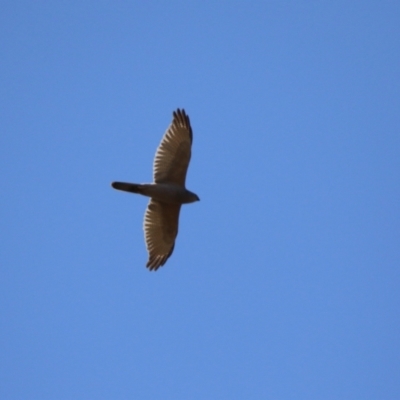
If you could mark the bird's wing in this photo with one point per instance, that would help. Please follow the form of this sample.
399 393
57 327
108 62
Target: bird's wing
173 154
160 230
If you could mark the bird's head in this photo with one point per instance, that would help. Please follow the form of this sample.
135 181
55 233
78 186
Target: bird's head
192 197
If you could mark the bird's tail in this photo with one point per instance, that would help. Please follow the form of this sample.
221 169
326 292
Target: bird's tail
128 187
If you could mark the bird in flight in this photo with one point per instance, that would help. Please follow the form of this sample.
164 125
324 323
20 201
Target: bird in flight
167 192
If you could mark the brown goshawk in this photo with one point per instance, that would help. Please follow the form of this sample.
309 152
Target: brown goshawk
168 192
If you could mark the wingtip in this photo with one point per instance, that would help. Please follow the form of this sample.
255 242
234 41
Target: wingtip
179 112
182 119
158 261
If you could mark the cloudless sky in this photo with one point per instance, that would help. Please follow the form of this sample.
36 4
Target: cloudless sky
284 282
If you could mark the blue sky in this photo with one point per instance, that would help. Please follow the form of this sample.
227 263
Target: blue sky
284 282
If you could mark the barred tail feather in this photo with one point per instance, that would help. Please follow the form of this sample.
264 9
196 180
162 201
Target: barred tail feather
127 187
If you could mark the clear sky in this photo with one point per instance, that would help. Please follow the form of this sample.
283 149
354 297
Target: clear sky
284 282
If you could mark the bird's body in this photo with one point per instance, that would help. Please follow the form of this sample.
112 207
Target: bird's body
168 192
165 192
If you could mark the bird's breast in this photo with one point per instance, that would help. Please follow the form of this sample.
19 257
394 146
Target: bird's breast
165 192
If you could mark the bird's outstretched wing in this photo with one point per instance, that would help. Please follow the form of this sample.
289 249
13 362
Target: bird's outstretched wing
160 231
173 154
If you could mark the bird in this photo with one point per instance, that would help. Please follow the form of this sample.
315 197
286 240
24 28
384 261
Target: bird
167 192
